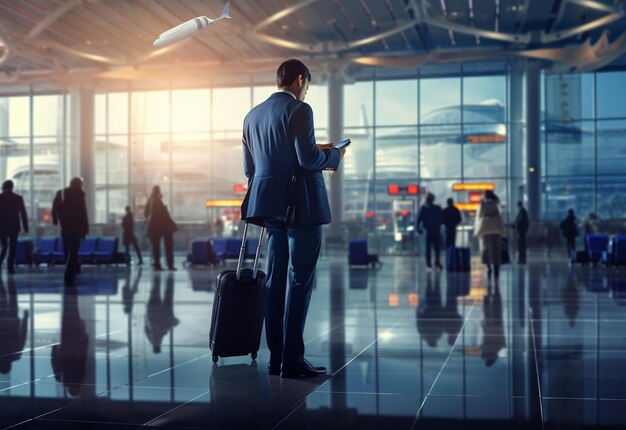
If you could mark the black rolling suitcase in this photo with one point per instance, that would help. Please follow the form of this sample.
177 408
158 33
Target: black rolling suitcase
237 319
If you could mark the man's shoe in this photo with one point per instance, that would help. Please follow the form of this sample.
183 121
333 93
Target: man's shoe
439 266
172 269
304 369
158 268
273 369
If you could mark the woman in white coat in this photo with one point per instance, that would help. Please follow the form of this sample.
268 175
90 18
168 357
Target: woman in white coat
489 227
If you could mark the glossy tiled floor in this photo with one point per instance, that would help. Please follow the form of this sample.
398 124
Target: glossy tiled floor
405 348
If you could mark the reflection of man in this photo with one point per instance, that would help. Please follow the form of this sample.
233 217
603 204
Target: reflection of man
520 226
11 211
69 358
160 317
452 319
284 170
128 293
12 330
70 211
430 313
571 299
493 328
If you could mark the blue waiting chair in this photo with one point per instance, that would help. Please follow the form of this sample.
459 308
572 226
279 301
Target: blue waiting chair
105 251
358 256
596 245
87 250
58 256
45 248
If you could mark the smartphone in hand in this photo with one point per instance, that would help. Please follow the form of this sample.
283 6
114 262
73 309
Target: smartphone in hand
343 144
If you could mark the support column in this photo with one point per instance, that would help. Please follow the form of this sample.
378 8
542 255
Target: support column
335 133
4 132
516 136
82 146
533 141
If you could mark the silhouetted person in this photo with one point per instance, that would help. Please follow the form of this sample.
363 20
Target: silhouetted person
70 211
160 225
451 219
569 228
452 319
520 226
69 357
160 319
128 236
13 330
11 210
489 227
429 320
571 299
431 217
493 327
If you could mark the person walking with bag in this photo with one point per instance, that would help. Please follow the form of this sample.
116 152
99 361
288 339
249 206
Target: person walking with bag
128 236
12 211
159 224
489 227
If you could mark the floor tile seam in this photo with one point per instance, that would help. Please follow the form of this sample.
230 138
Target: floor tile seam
177 366
482 396
18 424
330 330
421 407
594 399
34 381
533 337
175 408
303 402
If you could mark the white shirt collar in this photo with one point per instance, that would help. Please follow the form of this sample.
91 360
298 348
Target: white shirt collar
288 92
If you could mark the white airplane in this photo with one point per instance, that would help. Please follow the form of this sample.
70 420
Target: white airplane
189 28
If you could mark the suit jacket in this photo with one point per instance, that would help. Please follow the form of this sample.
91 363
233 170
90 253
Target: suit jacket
431 217
451 216
158 218
11 210
70 211
279 143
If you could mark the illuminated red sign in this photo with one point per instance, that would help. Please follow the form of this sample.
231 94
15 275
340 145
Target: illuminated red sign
412 189
393 190
240 188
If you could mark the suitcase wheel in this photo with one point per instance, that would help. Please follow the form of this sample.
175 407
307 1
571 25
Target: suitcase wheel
253 355
215 358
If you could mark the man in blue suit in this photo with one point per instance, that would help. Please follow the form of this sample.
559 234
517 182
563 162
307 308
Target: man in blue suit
287 194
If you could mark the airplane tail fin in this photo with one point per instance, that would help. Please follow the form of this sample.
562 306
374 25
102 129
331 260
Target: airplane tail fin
226 11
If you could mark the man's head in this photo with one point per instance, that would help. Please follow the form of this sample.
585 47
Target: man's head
520 204
450 202
430 198
294 76
570 212
76 182
156 191
7 185
127 208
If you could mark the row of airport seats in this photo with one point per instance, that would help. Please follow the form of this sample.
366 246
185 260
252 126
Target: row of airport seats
216 250
93 250
359 256
600 249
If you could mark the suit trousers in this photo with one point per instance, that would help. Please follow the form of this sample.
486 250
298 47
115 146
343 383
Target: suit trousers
168 240
285 319
132 241
521 248
71 246
433 240
8 240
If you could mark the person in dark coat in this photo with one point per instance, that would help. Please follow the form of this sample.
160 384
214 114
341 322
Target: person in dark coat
159 317
520 226
430 218
128 236
12 209
69 209
451 219
570 231
159 224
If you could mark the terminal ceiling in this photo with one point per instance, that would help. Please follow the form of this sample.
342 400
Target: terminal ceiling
109 42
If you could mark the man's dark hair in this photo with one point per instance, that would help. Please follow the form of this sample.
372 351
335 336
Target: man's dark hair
7 185
430 198
491 195
450 202
289 71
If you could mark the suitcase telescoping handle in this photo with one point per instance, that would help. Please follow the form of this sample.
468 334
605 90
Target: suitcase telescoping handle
242 252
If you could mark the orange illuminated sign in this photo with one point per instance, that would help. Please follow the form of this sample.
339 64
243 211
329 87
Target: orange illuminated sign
414 299
412 189
475 196
393 190
222 203
466 207
473 186
485 138
394 299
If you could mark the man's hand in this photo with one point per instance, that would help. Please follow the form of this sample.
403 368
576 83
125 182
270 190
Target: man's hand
325 146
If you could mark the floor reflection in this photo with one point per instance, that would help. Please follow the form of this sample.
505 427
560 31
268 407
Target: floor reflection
405 348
